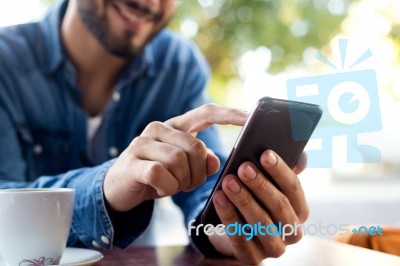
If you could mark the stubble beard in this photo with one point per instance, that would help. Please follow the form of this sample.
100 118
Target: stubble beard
99 26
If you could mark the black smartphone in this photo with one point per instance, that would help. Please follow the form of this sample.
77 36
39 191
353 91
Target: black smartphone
280 125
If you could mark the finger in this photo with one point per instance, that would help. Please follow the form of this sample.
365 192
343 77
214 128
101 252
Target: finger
127 186
154 174
195 149
171 157
278 205
207 115
300 164
287 181
253 213
245 251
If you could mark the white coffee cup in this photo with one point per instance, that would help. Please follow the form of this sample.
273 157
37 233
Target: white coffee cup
34 225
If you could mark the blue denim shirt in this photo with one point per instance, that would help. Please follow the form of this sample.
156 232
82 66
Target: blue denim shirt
43 136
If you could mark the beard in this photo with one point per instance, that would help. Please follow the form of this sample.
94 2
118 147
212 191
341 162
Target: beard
99 25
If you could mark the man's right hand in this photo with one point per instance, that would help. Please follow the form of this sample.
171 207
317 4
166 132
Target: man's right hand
166 158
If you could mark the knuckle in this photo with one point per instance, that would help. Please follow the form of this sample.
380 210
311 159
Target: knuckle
199 147
239 241
136 141
230 216
178 165
264 185
154 126
208 108
198 151
137 145
178 157
227 215
245 199
283 202
266 220
282 168
154 171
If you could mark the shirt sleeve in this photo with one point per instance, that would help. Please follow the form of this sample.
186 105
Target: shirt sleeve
92 224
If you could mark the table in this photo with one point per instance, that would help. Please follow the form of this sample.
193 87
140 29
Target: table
310 251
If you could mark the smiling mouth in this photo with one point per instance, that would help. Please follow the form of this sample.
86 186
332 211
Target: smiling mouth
135 13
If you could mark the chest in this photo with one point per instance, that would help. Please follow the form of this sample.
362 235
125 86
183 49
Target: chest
53 124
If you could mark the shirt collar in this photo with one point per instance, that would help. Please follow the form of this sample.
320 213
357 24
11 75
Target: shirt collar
50 27
55 56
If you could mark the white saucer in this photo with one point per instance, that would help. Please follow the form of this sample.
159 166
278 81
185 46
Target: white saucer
76 257
80 257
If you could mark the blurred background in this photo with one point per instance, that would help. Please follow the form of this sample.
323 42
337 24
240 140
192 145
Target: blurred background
255 46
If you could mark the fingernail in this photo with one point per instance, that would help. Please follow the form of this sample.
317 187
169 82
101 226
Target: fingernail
271 158
234 186
221 200
249 172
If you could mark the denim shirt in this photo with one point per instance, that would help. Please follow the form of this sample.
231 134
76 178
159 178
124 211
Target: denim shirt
43 128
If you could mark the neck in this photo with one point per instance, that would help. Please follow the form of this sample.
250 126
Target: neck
97 69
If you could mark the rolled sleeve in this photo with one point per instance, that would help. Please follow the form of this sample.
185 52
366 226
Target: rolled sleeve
91 223
94 225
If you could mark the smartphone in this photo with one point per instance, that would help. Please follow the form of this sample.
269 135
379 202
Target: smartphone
280 125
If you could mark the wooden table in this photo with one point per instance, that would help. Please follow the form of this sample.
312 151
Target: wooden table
310 251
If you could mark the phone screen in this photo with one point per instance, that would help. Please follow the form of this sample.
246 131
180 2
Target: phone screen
280 125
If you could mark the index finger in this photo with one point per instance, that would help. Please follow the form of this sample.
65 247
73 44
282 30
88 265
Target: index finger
207 115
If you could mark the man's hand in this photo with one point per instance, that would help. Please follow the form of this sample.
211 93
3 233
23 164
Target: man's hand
286 205
166 158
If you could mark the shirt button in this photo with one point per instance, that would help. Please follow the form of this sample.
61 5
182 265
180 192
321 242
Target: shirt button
116 96
37 149
105 240
95 244
113 151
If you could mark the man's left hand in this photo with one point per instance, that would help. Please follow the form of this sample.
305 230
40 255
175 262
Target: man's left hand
285 204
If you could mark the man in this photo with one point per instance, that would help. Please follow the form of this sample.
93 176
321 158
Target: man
80 94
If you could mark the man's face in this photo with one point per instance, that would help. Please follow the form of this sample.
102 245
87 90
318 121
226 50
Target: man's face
124 27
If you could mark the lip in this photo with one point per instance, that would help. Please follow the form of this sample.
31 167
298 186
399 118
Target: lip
132 17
